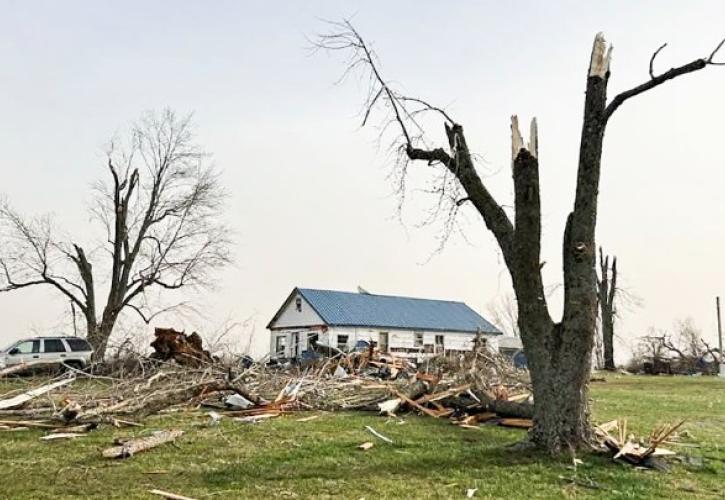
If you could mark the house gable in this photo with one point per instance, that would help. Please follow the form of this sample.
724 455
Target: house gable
295 312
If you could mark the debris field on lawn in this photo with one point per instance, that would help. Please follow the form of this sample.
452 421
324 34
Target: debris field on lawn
472 389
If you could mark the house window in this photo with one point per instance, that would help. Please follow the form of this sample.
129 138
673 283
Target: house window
418 341
280 345
440 343
298 304
312 339
342 342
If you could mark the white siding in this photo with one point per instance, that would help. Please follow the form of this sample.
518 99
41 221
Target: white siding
457 341
291 317
404 339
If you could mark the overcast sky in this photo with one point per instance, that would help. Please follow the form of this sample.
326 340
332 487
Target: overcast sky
310 199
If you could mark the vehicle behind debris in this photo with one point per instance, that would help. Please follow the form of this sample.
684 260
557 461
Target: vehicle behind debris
71 351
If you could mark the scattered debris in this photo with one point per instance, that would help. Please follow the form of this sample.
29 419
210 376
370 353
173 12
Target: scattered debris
470 492
470 389
628 449
61 435
131 447
378 435
366 445
214 418
307 419
169 496
237 402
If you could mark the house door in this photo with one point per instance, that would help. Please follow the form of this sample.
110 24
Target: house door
383 342
295 344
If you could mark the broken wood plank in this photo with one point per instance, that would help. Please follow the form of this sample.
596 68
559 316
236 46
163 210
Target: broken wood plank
27 423
34 393
416 405
521 423
518 398
133 446
61 435
454 391
253 419
169 496
477 418
307 419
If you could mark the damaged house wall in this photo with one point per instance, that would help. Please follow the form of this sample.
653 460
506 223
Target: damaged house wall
408 327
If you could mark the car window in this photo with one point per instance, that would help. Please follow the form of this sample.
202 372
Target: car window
53 345
28 347
78 345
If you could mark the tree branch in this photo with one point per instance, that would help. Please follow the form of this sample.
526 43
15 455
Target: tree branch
655 81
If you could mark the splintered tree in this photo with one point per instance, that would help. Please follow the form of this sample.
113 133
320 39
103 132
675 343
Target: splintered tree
559 352
159 214
607 289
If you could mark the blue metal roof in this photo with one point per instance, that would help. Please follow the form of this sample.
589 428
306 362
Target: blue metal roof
386 311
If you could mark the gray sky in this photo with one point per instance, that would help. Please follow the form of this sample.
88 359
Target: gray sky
310 202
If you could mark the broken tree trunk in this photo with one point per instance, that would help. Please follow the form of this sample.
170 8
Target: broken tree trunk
130 448
606 290
185 349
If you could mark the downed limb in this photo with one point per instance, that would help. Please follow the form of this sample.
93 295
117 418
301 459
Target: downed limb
34 393
22 367
130 448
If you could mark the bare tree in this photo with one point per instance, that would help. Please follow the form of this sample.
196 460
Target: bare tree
606 291
688 347
559 352
504 314
159 210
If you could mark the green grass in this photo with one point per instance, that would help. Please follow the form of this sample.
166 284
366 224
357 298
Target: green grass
430 458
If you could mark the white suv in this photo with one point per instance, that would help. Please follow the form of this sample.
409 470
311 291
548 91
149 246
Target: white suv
73 351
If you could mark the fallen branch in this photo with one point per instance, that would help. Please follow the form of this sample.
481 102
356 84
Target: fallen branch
23 367
34 393
130 448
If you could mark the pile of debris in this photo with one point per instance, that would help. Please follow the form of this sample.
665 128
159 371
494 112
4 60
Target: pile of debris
613 437
470 390
183 375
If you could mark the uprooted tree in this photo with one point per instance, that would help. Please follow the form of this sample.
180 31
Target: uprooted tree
606 292
160 217
559 352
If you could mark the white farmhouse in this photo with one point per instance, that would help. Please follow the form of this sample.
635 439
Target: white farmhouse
405 326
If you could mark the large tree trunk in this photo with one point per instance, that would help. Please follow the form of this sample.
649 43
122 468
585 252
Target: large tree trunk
559 361
98 336
559 354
